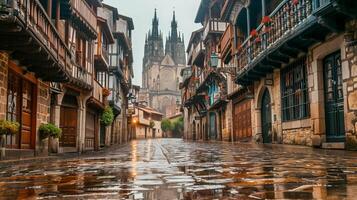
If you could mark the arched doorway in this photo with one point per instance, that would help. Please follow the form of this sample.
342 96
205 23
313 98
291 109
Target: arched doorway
266 117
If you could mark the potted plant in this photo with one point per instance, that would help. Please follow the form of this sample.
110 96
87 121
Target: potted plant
7 128
49 131
107 117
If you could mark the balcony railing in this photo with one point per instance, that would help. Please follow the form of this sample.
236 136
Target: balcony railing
81 77
226 43
85 12
97 92
198 49
285 18
31 14
214 26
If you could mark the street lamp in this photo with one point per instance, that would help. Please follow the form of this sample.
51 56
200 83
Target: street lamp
214 59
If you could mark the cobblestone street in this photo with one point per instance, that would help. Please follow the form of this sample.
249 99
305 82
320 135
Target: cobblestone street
175 169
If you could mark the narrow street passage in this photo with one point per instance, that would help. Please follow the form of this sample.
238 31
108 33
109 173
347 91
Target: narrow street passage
169 169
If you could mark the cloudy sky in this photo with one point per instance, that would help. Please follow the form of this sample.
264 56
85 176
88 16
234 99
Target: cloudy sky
142 12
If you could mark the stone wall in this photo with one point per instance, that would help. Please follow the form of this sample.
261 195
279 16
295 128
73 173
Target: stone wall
351 84
301 136
3 83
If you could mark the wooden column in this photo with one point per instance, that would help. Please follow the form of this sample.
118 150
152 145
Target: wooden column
58 13
248 22
263 8
49 8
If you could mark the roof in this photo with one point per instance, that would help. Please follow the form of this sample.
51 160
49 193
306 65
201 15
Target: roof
193 36
113 9
149 110
202 11
129 20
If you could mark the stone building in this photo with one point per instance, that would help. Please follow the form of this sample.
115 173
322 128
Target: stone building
161 68
146 122
55 69
293 67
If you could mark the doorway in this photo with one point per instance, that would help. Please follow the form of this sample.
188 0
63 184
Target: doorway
266 117
334 100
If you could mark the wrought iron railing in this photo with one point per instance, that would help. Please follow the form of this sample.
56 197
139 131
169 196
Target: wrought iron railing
285 18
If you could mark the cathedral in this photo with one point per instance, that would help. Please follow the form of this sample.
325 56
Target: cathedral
161 68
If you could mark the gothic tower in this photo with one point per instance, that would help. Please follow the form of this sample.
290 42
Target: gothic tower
154 48
175 46
162 67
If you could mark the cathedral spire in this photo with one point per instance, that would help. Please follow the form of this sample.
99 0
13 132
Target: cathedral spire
174 28
155 26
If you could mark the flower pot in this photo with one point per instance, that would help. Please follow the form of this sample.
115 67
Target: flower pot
44 146
53 145
2 146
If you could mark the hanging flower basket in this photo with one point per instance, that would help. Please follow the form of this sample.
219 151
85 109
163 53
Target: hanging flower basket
266 21
254 34
258 40
106 92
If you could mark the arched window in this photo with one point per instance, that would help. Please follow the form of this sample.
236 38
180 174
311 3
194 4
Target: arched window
241 25
255 14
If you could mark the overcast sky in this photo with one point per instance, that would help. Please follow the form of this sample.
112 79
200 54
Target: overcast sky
142 12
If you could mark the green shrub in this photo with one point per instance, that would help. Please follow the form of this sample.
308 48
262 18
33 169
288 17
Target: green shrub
166 125
49 130
107 117
9 127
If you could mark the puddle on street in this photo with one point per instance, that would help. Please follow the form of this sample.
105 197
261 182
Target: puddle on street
169 169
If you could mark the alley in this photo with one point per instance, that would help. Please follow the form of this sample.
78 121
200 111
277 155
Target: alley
175 169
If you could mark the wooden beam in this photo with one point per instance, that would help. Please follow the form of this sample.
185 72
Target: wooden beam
269 62
331 24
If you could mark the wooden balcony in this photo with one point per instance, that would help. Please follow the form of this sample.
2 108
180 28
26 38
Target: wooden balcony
80 78
293 29
226 44
97 92
214 26
28 33
81 14
101 58
198 54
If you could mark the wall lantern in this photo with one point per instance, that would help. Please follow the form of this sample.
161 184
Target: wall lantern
214 59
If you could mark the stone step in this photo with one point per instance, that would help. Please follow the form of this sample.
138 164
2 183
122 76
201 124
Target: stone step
333 145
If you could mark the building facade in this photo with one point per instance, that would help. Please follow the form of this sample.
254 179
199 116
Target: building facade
146 122
57 72
161 68
290 71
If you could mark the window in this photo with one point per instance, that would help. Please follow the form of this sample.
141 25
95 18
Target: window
294 91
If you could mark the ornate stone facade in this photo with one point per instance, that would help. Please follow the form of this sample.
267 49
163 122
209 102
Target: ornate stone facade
161 69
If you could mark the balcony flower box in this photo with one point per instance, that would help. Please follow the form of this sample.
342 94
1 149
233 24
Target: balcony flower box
106 92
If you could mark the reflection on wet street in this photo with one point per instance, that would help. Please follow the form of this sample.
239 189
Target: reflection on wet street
174 169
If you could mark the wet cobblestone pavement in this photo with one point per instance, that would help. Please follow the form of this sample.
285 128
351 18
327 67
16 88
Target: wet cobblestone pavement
169 169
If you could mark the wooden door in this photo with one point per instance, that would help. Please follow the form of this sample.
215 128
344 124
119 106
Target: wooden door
13 107
242 125
20 107
27 133
90 131
68 124
266 118
334 100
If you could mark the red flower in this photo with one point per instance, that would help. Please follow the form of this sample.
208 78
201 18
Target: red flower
258 40
266 20
295 2
254 33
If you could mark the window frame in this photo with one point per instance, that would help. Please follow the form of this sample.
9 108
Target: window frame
295 102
